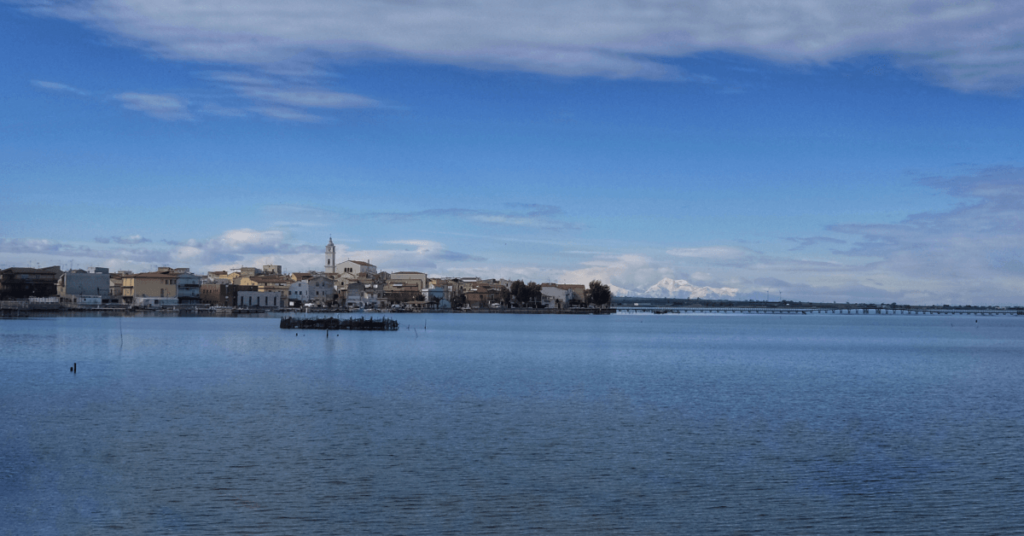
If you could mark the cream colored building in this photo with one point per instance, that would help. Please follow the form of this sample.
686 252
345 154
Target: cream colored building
149 285
409 279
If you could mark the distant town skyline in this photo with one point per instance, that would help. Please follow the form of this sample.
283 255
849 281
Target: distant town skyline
863 152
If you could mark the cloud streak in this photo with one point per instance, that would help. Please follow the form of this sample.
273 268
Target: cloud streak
519 215
165 107
966 46
126 240
58 87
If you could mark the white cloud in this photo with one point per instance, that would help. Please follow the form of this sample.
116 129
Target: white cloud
287 114
55 86
681 288
711 253
306 98
166 107
973 250
286 97
126 240
627 272
518 215
969 46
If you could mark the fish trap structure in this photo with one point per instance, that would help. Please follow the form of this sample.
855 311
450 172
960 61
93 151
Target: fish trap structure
352 324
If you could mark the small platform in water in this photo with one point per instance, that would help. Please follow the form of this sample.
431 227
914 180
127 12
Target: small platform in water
361 324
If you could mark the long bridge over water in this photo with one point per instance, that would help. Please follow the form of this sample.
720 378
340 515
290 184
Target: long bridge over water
837 310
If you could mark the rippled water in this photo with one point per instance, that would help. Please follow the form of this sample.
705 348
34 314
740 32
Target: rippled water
499 424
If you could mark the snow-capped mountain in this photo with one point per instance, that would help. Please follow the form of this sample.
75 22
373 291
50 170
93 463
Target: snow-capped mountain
681 288
619 291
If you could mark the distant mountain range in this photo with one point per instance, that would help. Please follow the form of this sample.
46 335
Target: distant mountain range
677 288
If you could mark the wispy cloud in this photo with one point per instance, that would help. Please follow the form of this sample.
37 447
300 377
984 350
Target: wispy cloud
19 245
55 86
807 242
978 244
287 114
971 46
126 240
292 91
547 217
166 107
49 252
289 97
522 215
434 252
727 253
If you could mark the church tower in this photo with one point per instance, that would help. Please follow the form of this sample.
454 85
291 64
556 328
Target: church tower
329 266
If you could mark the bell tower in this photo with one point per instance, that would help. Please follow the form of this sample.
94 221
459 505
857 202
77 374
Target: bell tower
329 265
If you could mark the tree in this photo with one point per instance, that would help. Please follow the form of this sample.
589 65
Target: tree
505 296
599 293
527 295
459 301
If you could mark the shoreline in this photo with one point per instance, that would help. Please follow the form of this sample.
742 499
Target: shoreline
12 314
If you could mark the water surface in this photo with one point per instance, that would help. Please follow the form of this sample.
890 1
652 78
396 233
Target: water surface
498 424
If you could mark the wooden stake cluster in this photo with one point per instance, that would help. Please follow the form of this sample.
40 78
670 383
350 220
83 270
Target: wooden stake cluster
360 324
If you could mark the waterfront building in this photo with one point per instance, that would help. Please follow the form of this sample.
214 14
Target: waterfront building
263 300
281 284
116 283
315 288
222 294
404 287
21 283
360 295
553 297
483 295
151 302
189 285
94 282
160 284
437 298
577 296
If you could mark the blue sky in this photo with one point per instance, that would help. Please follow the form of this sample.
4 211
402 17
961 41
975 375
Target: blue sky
860 151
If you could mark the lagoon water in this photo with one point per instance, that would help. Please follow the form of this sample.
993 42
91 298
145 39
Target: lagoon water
508 424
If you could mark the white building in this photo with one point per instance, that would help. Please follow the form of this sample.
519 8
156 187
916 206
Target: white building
357 268
555 298
154 303
362 296
330 266
317 289
251 299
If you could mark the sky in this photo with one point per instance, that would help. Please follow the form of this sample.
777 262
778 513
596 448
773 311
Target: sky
866 151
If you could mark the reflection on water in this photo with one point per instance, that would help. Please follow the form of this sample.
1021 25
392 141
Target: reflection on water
497 424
